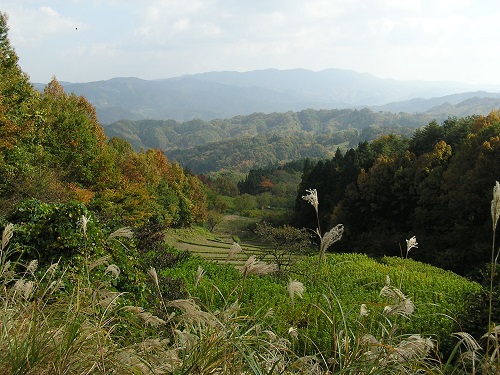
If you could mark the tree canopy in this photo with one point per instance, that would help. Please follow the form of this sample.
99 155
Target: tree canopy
52 148
435 185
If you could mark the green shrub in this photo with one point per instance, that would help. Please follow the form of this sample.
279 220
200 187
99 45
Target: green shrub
68 233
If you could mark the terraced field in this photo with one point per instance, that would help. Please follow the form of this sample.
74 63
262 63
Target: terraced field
215 246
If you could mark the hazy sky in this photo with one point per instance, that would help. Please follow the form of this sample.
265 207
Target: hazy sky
90 40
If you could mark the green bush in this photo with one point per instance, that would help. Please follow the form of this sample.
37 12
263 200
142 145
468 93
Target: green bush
68 233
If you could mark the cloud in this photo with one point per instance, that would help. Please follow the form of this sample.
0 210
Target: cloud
161 38
31 25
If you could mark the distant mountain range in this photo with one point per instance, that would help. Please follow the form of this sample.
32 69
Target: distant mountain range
219 95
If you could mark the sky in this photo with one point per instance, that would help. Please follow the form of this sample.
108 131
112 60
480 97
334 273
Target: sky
92 40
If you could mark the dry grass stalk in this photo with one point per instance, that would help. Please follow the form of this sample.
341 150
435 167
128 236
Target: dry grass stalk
192 312
124 232
199 274
295 287
234 249
7 234
255 267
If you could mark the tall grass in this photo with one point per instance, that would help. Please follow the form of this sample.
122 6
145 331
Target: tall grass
54 321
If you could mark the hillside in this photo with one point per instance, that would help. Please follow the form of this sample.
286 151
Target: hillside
226 94
259 139
462 104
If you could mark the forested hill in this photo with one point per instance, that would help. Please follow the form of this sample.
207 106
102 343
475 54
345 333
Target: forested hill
436 185
53 149
259 139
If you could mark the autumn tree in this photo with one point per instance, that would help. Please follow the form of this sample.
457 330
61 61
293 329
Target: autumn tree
74 138
23 172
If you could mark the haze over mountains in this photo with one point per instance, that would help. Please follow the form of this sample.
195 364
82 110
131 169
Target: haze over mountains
221 95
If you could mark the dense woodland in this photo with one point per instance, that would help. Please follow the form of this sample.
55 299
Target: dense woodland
84 219
433 185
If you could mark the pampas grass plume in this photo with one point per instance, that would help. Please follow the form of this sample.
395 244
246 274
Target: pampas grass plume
295 288
495 204
312 198
124 232
8 231
255 267
235 249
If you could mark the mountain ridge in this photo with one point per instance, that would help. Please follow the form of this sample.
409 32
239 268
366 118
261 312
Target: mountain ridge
213 95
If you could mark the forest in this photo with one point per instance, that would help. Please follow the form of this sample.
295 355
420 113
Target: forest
431 185
257 140
373 258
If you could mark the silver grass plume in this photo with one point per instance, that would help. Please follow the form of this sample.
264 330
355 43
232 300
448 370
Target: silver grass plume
363 311
371 345
293 332
108 298
495 204
113 269
493 333
401 304
5 270
295 287
8 231
312 198
124 232
83 224
235 249
24 288
99 262
199 274
192 312
52 269
469 341
145 316
32 266
255 267
414 347
269 313
411 243
330 237
186 339
154 276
